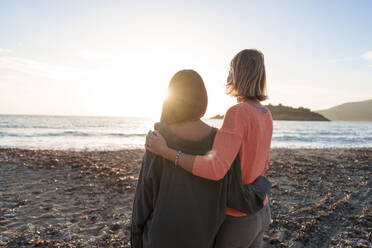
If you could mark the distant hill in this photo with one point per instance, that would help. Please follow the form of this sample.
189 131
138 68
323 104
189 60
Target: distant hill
281 112
351 111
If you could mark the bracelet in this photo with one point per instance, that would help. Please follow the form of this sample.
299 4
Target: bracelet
178 155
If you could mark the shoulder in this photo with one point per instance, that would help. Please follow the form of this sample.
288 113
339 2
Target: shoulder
247 110
234 109
238 111
236 119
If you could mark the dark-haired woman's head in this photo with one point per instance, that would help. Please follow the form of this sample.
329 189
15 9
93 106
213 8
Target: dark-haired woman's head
187 98
247 76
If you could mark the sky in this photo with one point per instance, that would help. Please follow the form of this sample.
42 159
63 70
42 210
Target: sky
115 58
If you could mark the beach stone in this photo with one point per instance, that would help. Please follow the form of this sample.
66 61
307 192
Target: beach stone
297 244
10 215
66 237
92 241
362 242
280 234
115 227
4 238
3 158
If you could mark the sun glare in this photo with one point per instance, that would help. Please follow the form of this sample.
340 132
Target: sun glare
131 84
140 79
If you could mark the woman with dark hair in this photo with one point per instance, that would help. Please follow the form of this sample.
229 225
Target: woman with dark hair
246 131
173 208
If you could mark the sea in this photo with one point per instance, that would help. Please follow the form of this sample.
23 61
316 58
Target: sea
115 133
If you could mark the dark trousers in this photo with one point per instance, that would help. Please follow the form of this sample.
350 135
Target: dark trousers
244 232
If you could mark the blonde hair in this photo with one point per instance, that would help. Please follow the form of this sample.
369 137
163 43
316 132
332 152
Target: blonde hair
247 76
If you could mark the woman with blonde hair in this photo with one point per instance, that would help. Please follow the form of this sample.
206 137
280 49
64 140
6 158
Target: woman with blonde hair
246 131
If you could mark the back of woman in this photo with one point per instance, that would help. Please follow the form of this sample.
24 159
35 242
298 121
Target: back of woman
255 143
173 208
178 210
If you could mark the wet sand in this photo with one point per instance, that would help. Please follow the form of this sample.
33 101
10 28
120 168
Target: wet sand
320 198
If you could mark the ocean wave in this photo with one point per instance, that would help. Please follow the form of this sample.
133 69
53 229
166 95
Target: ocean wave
20 126
323 139
126 134
71 133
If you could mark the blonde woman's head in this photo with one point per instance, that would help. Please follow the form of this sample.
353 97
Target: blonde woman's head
247 76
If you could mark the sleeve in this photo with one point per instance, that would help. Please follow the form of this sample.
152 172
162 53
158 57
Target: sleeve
226 146
144 199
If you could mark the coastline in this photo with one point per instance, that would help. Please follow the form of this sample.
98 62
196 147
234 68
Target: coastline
320 197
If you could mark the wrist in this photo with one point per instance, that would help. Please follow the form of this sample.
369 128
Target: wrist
169 153
165 152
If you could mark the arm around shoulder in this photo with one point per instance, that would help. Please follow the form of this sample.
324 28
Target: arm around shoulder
226 146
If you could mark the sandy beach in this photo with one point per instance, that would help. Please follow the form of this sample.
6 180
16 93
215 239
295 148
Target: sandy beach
320 198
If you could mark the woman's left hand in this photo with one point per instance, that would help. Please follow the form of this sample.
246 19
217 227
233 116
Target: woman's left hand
155 143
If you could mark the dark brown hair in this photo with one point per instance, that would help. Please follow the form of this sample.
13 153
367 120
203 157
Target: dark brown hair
187 98
247 76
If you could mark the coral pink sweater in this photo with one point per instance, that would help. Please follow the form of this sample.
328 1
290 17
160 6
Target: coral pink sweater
247 130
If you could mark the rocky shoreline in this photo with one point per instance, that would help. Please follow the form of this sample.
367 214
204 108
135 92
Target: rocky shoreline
320 198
